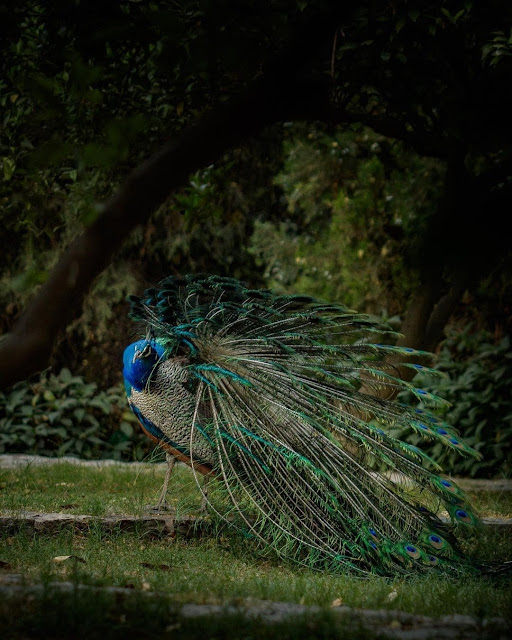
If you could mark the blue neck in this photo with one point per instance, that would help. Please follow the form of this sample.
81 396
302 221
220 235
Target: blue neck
139 361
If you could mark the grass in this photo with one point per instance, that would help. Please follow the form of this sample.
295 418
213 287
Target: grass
218 570
221 568
91 615
98 491
492 503
125 490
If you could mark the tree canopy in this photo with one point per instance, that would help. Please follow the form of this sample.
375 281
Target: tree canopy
185 105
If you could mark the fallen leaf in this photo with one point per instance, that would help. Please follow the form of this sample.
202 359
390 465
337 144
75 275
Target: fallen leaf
337 603
146 586
64 558
392 595
61 558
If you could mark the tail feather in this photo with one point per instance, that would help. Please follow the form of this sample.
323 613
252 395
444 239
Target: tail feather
285 395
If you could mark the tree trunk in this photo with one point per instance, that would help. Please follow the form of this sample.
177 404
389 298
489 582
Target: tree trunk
274 97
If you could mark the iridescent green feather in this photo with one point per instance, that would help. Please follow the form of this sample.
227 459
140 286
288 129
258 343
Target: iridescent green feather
290 397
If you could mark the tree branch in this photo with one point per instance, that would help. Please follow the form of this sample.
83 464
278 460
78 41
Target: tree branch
28 347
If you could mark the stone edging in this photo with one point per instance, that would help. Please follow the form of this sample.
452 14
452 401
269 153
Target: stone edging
157 525
15 460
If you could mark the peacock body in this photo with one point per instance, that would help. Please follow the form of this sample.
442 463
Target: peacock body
289 403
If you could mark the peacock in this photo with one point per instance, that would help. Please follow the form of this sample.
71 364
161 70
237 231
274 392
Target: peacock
291 404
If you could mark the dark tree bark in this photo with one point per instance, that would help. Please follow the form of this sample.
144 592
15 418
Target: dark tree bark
282 93
278 95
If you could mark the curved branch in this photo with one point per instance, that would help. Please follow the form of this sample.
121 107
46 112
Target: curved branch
271 98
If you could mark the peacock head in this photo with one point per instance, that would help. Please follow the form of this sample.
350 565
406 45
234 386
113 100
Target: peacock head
139 361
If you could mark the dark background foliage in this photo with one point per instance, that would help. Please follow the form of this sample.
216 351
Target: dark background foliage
384 183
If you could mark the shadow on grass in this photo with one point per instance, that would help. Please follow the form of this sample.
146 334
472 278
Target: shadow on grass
83 614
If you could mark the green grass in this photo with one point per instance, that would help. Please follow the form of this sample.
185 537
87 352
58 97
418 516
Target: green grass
222 569
125 490
219 568
97 491
90 615
492 503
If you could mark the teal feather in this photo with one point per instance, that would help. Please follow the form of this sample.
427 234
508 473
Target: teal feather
281 398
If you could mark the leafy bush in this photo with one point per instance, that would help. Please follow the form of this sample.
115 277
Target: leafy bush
63 415
357 203
478 387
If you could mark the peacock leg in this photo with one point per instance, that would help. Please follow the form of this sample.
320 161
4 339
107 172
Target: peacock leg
162 504
171 461
204 496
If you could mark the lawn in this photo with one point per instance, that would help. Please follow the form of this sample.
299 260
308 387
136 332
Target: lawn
220 567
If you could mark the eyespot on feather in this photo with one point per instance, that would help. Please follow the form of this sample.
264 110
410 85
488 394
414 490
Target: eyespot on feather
463 515
412 551
374 534
436 541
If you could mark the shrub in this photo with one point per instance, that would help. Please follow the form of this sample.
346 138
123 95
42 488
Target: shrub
478 387
63 415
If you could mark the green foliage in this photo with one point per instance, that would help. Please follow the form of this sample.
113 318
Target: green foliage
82 105
357 203
499 49
68 135
62 415
478 387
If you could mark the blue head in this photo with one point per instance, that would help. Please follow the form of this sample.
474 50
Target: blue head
139 360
